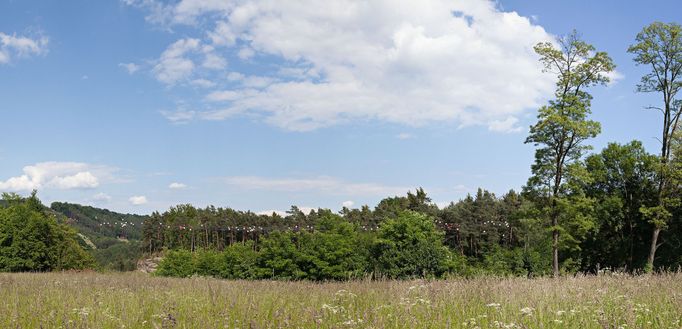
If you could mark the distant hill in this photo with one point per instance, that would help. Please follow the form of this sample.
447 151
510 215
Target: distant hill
115 236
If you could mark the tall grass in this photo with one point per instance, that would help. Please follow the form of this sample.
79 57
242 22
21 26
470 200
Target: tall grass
133 300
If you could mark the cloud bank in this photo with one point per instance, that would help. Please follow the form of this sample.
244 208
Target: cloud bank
57 175
324 63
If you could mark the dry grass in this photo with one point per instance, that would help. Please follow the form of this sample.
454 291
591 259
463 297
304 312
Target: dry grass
133 300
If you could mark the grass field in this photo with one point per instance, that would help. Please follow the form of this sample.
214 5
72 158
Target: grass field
134 300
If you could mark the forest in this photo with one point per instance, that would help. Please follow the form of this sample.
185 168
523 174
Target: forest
581 211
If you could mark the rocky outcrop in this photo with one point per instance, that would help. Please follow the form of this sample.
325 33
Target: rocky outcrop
148 265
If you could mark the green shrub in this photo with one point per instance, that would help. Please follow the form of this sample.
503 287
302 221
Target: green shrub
239 261
177 263
410 246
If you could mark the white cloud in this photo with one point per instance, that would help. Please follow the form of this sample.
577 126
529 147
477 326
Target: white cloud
177 186
460 188
465 62
58 175
203 83
347 204
173 65
270 212
507 125
131 68
21 46
101 197
324 184
179 116
443 204
178 63
214 62
614 77
235 76
305 210
138 200
404 136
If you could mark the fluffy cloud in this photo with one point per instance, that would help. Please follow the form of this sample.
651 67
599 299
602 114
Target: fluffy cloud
177 63
176 186
466 62
57 175
347 204
21 46
137 200
131 68
324 184
173 64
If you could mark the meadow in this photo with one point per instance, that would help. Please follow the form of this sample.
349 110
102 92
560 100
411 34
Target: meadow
136 300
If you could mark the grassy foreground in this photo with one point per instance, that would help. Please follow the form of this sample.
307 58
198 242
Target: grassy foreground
133 300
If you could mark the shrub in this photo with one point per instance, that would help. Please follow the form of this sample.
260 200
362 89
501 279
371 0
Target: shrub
410 246
177 263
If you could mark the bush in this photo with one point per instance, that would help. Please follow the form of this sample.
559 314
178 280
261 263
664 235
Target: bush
177 263
239 261
411 246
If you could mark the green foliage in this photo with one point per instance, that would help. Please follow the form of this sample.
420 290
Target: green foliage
334 252
239 261
622 181
177 263
562 125
116 236
410 246
120 256
30 240
659 47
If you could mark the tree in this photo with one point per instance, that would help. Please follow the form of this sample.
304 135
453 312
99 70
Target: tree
562 125
30 240
659 46
623 181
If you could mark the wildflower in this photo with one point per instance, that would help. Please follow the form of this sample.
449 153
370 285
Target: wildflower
527 310
329 307
82 311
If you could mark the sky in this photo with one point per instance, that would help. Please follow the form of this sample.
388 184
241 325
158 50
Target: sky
139 105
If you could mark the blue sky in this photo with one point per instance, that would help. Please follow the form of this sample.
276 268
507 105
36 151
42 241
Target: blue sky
138 105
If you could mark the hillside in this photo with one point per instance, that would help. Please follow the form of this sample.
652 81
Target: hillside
115 236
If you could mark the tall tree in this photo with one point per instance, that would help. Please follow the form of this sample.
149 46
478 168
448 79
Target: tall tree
562 125
659 46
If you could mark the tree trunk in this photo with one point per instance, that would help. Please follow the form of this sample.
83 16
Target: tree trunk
555 249
652 250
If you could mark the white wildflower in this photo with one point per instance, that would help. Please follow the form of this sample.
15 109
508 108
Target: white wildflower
527 310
